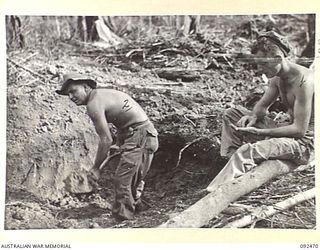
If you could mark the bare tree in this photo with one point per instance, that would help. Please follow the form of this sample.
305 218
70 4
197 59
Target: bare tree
15 37
188 24
309 49
86 28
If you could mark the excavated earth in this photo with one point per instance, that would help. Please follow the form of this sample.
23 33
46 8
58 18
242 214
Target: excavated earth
49 139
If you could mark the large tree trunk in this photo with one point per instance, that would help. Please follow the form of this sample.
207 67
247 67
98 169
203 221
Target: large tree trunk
92 34
186 25
189 24
81 28
86 28
309 49
212 204
195 24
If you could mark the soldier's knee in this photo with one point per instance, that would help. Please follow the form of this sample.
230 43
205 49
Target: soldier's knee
244 149
116 180
229 111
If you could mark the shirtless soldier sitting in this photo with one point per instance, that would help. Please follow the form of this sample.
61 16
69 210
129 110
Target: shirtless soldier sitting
136 138
248 138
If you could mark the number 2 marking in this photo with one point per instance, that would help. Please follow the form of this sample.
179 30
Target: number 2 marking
126 105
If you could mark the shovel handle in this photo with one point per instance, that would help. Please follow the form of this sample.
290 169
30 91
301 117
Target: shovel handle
105 162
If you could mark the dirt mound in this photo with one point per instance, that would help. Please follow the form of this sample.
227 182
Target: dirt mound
41 132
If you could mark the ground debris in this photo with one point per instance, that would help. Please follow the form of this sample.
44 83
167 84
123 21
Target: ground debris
300 216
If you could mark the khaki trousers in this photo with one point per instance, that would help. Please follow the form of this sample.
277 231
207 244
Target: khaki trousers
247 152
137 145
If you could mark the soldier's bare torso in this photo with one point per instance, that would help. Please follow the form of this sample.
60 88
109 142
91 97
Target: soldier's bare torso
289 90
119 108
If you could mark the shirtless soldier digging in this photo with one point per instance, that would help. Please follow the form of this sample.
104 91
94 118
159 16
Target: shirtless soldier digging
136 137
250 137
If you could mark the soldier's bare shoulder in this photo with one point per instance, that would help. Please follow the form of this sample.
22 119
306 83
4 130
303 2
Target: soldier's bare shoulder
106 91
307 80
108 96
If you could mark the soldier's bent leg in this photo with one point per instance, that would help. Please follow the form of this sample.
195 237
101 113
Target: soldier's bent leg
251 154
124 206
231 140
149 147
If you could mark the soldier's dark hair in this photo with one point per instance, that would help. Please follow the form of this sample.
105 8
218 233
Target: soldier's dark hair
271 42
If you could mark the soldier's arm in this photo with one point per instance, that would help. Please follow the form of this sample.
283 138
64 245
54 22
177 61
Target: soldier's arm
269 97
261 107
301 116
97 115
302 110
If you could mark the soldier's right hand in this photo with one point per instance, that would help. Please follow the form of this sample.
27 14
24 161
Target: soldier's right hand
94 174
93 177
247 121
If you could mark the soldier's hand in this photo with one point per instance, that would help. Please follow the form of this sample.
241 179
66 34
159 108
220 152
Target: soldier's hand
93 177
94 174
247 130
247 121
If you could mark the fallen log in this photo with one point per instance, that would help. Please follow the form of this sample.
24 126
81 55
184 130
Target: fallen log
213 203
262 213
175 75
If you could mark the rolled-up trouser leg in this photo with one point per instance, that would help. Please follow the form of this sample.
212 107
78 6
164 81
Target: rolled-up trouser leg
251 154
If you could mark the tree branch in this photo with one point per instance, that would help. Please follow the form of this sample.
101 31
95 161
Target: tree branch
261 213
